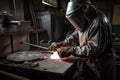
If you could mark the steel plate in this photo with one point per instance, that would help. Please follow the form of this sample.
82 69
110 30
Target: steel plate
25 56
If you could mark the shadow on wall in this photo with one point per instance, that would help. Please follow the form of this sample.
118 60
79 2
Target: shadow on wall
116 29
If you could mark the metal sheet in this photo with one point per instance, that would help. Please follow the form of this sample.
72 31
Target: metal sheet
54 66
25 56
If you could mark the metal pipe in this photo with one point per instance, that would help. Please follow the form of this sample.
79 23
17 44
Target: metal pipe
15 10
12 76
42 47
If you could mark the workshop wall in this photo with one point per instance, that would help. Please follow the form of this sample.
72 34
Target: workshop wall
116 18
53 21
14 7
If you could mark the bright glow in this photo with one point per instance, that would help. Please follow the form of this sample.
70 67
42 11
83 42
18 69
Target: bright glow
55 55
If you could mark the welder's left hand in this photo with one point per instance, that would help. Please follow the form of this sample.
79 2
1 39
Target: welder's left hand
66 51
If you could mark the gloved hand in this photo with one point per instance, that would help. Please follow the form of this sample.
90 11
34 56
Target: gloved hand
54 46
66 51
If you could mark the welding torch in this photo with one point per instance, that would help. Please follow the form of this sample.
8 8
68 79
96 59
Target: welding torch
34 45
54 56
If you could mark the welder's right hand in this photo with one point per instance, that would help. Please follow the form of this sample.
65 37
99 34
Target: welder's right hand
54 46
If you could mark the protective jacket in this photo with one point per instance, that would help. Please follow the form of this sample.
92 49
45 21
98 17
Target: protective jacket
94 40
95 43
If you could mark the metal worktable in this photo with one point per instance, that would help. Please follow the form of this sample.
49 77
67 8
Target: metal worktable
47 69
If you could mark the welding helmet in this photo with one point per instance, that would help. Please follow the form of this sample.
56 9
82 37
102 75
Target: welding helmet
76 15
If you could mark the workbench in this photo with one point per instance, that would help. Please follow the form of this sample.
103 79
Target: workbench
47 69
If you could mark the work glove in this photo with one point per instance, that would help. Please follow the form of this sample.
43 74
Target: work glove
55 45
66 51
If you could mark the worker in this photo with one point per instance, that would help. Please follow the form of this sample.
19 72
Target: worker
91 39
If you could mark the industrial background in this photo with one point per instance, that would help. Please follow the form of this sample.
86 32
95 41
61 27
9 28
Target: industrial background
35 22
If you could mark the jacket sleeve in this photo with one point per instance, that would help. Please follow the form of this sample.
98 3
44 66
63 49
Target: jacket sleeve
71 39
96 42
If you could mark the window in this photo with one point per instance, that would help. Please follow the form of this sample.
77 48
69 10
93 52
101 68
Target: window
53 3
